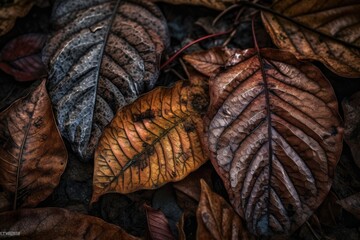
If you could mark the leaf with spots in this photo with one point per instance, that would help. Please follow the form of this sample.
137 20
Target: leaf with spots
32 153
217 219
274 136
103 54
152 141
59 223
21 57
339 19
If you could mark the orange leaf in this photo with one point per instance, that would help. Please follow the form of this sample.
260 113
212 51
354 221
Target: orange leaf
152 141
58 223
216 219
32 153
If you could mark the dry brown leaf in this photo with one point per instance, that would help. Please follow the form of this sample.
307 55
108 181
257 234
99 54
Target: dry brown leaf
351 108
337 18
58 223
10 10
32 153
214 4
180 227
152 141
216 219
351 204
274 136
158 225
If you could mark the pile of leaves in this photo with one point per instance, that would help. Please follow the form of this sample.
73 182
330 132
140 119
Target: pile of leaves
201 120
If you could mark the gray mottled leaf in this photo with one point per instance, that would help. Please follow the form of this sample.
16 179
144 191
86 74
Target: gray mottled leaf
102 55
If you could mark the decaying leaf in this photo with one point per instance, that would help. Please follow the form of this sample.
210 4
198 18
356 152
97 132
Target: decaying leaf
103 54
158 225
21 57
32 153
337 18
216 218
351 108
152 141
351 204
10 10
59 223
214 4
274 136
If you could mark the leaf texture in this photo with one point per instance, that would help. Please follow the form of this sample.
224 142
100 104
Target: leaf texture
216 218
32 153
214 4
158 225
59 223
21 57
337 18
152 141
351 204
103 54
10 10
274 136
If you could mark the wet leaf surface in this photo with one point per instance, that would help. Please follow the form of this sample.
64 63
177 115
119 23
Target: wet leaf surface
158 225
275 153
32 153
102 55
21 57
351 108
57 223
217 219
152 141
336 18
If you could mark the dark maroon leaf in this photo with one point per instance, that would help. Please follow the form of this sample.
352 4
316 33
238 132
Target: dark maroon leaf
158 224
21 57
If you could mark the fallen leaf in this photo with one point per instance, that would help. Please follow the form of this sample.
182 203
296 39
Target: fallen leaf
158 224
58 223
180 227
101 57
274 136
351 108
214 4
10 10
216 218
32 153
351 204
339 19
152 141
21 57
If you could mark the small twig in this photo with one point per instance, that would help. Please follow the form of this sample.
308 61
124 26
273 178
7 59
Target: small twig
177 74
190 44
312 230
224 12
185 68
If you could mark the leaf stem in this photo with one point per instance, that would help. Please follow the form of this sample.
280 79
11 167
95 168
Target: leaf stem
190 44
266 9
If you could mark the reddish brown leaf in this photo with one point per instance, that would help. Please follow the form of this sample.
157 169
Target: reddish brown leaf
216 218
351 204
58 223
32 153
274 136
21 57
338 19
152 141
351 108
158 224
